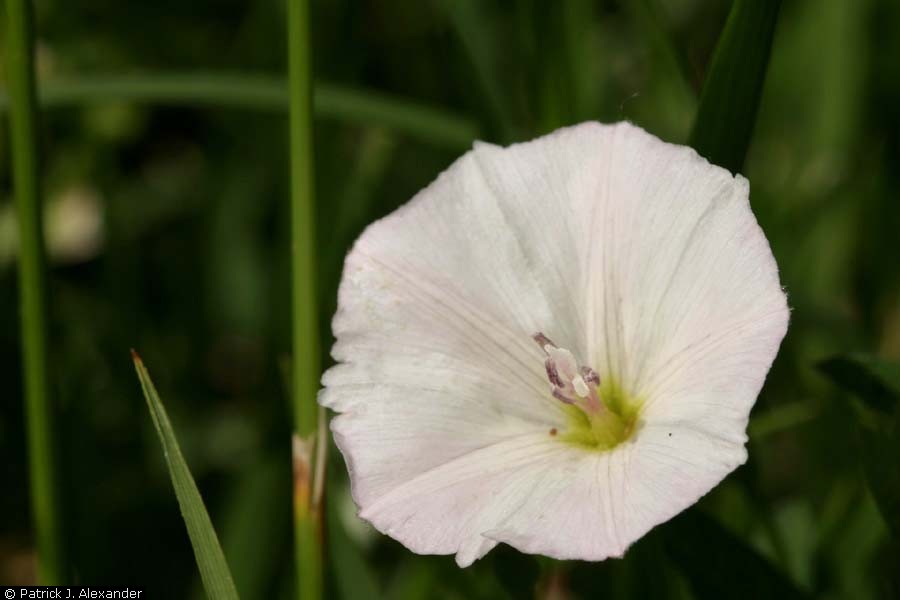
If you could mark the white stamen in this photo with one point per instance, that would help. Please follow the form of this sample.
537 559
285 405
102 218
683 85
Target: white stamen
569 382
581 387
565 361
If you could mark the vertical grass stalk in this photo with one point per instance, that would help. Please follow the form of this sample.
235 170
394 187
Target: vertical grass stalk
733 88
38 409
305 371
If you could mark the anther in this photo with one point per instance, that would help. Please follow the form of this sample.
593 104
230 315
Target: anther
560 395
543 341
569 382
552 373
590 376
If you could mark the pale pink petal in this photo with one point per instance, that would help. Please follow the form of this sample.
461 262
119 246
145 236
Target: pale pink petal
638 256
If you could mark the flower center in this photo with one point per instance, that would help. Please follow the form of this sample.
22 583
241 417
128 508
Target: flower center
600 417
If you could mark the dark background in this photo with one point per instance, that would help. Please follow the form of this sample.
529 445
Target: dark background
167 226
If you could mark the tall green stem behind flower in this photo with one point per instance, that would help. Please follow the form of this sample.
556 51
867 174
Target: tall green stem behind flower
307 477
39 411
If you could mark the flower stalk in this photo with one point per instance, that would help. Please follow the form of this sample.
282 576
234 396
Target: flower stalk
38 407
308 451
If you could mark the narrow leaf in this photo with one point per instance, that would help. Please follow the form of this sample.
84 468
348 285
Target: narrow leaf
734 83
210 559
881 447
353 576
875 380
781 418
413 580
667 63
367 107
255 527
262 93
877 383
719 565
480 44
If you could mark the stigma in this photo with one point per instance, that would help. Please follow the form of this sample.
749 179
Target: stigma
570 382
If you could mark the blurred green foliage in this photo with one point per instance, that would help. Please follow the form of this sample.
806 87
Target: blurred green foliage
172 238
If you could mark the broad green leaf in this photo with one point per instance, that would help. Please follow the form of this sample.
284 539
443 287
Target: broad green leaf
877 383
210 559
719 565
734 83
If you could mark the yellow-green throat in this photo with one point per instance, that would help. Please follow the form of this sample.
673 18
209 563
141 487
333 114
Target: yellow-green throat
600 416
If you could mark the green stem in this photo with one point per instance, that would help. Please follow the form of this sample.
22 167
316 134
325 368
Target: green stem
39 413
305 371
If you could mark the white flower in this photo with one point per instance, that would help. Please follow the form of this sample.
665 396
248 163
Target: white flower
653 296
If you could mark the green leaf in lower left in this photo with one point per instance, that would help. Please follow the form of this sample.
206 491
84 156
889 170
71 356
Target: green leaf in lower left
214 570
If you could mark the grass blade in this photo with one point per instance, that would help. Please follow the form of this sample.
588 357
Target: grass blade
670 80
480 45
366 107
211 561
308 451
264 93
718 564
254 528
32 265
734 83
781 418
876 382
649 17
353 575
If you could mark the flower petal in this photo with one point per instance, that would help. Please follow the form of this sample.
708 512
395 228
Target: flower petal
445 510
437 306
547 188
639 256
548 498
686 314
680 267
592 506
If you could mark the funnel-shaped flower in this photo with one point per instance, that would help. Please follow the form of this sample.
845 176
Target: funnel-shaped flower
555 345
